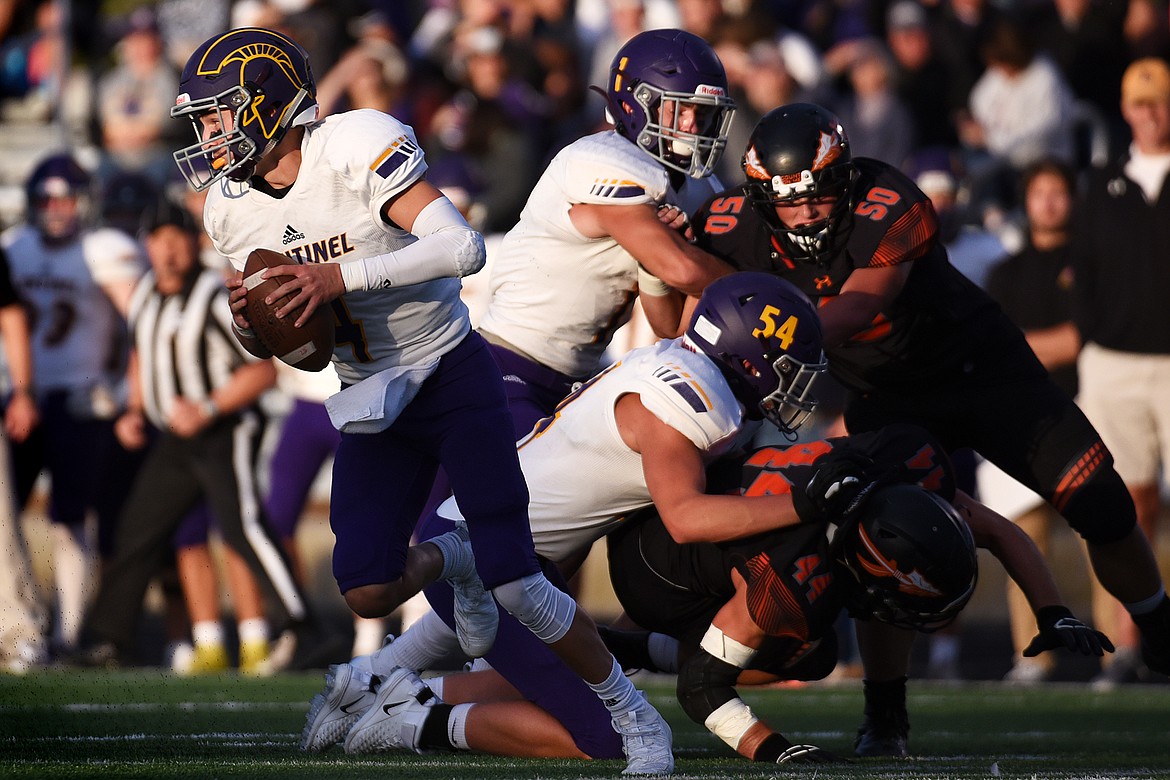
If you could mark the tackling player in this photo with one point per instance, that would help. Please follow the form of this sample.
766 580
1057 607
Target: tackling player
915 341
347 200
764 609
643 431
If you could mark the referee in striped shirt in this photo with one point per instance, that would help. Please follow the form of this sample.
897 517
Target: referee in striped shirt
194 383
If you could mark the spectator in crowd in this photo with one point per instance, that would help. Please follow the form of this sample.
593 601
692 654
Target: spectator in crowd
133 100
22 615
33 67
373 73
922 78
971 248
1035 289
917 342
885 127
1120 247
199 392
496 121
959 30
1085 40
1021 109
766 68
440 396
77 283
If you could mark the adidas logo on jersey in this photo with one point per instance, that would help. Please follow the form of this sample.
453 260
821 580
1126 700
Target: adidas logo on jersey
291 234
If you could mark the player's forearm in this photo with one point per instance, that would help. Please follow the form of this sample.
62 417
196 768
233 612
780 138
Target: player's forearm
446 247
14 332
1015 551
244 388
711 518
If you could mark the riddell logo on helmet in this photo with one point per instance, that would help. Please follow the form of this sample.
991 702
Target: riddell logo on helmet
707 89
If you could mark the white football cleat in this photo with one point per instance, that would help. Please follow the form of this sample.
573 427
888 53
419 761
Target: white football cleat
476 617
395 720
333 711
646 740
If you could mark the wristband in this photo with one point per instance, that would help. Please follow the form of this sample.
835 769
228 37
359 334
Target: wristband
210 408
649 284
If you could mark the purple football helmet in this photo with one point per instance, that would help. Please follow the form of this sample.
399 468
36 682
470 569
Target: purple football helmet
912 558
57 193
260 84
765 336
661 79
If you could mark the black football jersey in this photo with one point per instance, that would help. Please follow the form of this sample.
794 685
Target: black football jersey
937 320
795 590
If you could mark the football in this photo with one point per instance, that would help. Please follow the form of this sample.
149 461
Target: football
308 347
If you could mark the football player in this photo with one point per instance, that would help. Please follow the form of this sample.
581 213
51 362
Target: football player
900 550
640 432
607 224
76 281
347 200
915 341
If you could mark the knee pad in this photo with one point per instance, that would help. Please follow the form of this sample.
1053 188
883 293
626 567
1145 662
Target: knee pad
1099 508
705 683
546 611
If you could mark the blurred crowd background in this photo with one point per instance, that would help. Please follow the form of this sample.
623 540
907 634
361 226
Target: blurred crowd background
964 95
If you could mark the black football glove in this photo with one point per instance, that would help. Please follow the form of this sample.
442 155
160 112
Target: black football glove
840 486
1059 627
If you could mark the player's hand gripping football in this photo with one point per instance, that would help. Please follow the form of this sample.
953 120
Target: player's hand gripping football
1059 627
312 285
842 482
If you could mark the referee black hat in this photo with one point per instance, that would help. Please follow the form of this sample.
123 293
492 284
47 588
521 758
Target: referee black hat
165 211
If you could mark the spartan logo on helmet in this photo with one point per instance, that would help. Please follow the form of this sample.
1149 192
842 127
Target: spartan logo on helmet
765 336
242 91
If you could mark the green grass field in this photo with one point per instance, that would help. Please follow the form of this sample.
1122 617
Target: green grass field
144 724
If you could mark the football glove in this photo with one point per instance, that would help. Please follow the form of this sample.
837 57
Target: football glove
1059 627
840 486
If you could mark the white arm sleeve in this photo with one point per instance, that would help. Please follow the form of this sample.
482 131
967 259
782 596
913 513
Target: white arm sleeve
446 246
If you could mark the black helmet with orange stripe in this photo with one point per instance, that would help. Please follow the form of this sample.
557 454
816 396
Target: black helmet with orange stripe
912 559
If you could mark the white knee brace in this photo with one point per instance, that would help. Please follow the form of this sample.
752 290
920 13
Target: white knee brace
539 605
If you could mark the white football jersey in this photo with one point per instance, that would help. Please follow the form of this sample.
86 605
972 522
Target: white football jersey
351 165
582 478
557 295
77 333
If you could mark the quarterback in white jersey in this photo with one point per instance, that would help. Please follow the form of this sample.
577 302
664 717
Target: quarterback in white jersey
368 157
347 199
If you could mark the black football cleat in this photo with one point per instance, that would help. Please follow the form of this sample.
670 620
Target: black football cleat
883 737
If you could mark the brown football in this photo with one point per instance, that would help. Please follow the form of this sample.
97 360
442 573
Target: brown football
308 347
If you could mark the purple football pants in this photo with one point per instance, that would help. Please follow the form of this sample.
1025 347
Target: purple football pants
381 481
535 670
